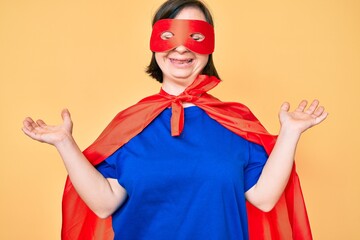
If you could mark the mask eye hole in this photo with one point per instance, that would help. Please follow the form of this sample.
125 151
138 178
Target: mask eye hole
197 37
166 35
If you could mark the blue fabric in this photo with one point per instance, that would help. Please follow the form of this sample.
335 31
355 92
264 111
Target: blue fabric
186 187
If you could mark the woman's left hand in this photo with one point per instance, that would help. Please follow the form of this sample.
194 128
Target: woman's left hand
302 118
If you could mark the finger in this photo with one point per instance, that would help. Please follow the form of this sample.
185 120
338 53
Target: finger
65 114
285 106
33 124
28 123
26 131
321 118
32 134
29 130
28 126
302 105
318 111
312 107
41 123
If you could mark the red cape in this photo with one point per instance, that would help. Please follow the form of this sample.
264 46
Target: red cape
287 220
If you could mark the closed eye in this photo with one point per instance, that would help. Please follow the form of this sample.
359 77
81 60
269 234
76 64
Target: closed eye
166 35
197 37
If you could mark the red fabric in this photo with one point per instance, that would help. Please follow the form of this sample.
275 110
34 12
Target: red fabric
288 219
182 31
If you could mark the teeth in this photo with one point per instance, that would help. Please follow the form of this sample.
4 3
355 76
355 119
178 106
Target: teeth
181 61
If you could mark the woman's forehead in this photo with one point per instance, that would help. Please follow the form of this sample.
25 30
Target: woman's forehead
193 13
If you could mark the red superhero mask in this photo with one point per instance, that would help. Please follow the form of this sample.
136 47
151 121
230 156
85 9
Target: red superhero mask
195 35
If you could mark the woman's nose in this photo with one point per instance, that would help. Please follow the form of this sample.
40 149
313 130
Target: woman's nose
181 49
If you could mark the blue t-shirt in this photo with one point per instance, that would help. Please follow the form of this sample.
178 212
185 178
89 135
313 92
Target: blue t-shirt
186 187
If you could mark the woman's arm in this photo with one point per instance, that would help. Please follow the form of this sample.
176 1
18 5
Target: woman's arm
274 177
103 196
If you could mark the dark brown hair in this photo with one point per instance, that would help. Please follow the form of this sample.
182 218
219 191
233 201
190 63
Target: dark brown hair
170 9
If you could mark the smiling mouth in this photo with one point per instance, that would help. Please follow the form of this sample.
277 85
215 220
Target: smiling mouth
181 61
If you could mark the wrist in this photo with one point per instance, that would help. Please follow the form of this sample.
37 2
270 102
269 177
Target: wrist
66 141
290 132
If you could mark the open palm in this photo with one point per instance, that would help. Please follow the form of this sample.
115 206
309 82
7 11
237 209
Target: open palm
302 118
40 131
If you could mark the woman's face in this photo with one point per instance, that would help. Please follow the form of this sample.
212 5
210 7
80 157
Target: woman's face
180 66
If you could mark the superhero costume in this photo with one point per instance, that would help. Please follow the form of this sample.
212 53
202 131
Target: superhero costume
288 219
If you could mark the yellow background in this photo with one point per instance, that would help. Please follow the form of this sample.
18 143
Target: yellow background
90 56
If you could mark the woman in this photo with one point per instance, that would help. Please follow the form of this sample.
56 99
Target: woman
182 172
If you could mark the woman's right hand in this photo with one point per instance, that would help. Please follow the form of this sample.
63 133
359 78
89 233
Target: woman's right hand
103 196
53 135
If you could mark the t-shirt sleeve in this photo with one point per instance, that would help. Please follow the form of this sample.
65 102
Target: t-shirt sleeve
108 167
253 169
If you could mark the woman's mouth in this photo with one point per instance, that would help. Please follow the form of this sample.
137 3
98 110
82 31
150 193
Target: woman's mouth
181 61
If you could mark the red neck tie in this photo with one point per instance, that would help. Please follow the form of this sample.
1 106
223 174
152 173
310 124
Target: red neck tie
191 95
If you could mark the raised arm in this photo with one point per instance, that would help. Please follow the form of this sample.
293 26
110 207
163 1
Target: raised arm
103 196
274 177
